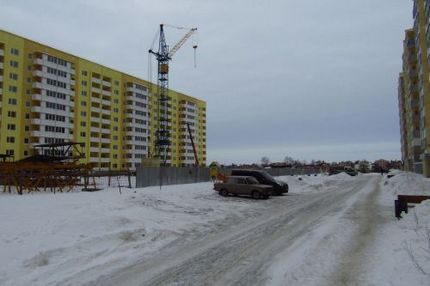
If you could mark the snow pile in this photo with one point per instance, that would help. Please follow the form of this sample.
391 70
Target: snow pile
408 239
406 183
313 184
417 225
71 238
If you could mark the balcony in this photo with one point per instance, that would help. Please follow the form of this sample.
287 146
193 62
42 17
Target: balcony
96 109
416 142
1 78
106 121
1 52
414 103
104 150
107 93
96 90
94 149
95 129
105 131
1 66
37 109
106 83
96 100
96 80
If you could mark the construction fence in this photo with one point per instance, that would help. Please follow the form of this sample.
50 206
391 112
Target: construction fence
156 176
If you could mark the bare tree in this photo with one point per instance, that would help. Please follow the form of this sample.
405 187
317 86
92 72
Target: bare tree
265 161
288 160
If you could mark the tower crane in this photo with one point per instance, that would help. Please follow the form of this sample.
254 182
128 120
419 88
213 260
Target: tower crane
163 56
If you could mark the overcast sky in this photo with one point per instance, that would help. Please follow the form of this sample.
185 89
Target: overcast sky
307 79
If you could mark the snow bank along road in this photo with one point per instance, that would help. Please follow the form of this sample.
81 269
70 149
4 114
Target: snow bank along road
317 238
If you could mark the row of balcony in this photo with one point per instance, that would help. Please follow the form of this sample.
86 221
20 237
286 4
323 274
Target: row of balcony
38 133
100 140
101 91
45 62
40 97
42 74
40 85
101 101
101 82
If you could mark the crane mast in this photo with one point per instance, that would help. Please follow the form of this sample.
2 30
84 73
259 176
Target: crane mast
162 142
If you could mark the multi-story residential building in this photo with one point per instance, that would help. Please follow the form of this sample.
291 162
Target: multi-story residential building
402 116
409 105
49 96
414 93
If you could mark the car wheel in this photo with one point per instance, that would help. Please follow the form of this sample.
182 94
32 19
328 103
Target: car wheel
256 195
223 192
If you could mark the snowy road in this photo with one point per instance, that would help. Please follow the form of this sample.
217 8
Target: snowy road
295 240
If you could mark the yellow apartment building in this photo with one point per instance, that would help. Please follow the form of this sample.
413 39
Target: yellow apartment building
50 96
414 92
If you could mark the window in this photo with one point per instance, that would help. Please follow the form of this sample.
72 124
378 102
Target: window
13 89
55 106
57 61
83 103
83 93
83 123
83 134
139 95
10 139
56 94
84 73
54 117
83 113
55 129
56 83
84 83
11 127
12 101
14 51
10 152
13 76
11 114
14 64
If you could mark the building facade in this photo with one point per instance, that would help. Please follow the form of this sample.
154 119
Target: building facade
414 92
49 96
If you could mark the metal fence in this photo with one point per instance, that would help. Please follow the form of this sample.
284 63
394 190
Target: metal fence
153 176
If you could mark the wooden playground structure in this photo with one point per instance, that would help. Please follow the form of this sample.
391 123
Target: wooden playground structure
53 167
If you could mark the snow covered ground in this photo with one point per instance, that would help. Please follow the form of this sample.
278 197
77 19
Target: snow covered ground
75 238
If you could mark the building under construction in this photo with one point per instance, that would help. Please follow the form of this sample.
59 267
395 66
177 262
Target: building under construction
49 96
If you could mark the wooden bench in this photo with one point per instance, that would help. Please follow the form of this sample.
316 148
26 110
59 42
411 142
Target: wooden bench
401 204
